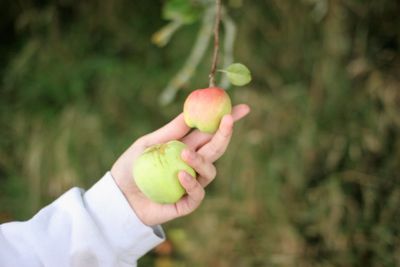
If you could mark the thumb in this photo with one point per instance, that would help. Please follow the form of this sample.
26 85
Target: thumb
174 130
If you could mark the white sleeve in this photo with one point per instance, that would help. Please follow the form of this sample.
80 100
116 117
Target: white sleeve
93 228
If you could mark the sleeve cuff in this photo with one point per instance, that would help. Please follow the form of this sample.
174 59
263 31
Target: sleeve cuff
130 238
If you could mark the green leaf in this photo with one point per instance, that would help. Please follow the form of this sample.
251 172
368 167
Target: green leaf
181 10
163 35
238 74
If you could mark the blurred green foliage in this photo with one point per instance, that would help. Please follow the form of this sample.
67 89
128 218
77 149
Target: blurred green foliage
312 177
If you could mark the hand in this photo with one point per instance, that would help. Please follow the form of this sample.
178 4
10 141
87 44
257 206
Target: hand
203 149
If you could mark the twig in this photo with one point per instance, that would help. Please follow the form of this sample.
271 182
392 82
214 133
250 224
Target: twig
229 41
216 43
198 50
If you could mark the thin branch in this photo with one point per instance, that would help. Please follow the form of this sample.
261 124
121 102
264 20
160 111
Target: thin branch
229 41
197 53
216 43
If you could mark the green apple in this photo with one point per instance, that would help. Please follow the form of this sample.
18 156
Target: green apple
204 108
156 172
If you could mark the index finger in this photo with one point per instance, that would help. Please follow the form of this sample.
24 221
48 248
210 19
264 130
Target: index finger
214 149
174 130
197 139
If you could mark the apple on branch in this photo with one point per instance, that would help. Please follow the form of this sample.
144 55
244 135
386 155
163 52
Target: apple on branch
204 108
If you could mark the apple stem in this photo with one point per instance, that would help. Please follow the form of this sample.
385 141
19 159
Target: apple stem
216 43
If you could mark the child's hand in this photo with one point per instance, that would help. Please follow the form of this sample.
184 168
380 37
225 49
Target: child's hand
203 150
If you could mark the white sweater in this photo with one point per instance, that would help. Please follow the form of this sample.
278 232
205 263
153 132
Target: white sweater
94 228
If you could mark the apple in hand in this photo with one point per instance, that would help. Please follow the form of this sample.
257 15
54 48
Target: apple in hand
204 108
156 172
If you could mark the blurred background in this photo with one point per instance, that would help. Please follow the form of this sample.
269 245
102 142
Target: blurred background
312 176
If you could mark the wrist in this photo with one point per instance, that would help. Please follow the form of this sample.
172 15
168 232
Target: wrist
127 235
126 185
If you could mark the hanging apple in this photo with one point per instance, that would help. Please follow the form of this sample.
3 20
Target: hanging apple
156 170
204 108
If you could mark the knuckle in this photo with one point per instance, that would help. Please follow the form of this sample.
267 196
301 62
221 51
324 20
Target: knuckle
144 140
213 148
216 151
202 195
213 172
192 186
198 161
141 140
226 134
194 159
184 210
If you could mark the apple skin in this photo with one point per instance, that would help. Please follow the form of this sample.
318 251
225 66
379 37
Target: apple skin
156 172
204 108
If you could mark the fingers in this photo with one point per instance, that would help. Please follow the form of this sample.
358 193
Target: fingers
194 187
197 139
195 194
174 130
240 111
177 129
214 149
206 170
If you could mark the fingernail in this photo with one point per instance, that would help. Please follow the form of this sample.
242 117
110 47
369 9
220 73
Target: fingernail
186 176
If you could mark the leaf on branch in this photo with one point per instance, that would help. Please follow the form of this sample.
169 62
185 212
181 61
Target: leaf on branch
181 10
238 74
163 35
